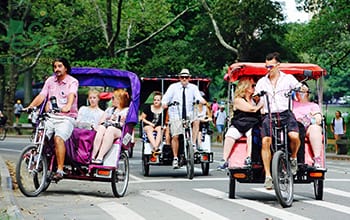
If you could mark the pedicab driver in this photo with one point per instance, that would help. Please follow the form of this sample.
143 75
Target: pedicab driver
276 84
177 92
64 88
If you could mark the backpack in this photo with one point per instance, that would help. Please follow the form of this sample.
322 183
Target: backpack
333 122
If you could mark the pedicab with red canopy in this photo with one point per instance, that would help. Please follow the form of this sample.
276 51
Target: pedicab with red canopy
282 178
37 164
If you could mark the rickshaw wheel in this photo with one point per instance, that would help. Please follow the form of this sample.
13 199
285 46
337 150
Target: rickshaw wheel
190 160
282 179
3 132
318 189
145 160
205 169
31 181
120 176
232 188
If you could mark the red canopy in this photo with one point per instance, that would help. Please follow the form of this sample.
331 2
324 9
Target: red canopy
257 70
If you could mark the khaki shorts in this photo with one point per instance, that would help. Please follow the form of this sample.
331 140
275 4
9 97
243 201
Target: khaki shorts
62 126
175 127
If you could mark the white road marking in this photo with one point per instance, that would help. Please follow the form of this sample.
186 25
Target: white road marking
337 192
188 207
329 205
119 211
258 206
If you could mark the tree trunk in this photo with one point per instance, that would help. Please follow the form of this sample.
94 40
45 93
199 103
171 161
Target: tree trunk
10 90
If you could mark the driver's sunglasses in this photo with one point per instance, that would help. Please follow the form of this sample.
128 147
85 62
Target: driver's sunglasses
184 77
270 66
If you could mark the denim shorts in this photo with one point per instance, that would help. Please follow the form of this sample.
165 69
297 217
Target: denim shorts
220 128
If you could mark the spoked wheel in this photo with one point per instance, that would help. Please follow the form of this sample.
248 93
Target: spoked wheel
282 179
190 160
318 189
120 176
145 160
31 173
232 188
3 132
205 169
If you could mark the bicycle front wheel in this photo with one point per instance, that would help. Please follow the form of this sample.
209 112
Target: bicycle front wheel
190 160
31 172
120 176
3 132
282 179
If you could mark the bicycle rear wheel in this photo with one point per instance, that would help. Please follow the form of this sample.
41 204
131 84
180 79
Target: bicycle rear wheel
282 179
190 160
120 176
31 173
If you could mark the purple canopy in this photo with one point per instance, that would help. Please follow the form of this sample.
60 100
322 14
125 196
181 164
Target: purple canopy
91 76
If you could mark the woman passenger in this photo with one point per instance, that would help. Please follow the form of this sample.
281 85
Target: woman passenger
111 124
246 116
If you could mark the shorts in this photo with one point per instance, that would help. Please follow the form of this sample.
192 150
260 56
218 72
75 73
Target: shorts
175 127
62 126
285 118
220 128
235 134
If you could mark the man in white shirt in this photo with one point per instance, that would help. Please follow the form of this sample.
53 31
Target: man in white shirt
276 84
175 93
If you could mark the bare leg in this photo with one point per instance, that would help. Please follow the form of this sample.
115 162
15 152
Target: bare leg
314 133
149 132
228 145
336 137
266 154
110 135
98 140
294 143
249 143
195 130
175 145
60 150
158 137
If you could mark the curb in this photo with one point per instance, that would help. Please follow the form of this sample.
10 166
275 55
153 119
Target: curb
8 207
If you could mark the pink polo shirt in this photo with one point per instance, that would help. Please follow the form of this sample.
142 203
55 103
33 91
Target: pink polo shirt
61 90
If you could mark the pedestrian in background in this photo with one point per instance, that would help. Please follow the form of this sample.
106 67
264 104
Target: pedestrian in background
220 121
338 128
17 108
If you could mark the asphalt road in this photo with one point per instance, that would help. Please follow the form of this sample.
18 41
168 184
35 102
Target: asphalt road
168 194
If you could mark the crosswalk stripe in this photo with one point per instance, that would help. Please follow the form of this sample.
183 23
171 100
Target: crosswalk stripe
258 206
329 205
337 192
119 211
188 207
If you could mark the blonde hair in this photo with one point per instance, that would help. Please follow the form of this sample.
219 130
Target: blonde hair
243 84
94 92
123 95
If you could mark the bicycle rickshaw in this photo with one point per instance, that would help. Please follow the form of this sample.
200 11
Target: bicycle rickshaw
187 156
282 177
36 165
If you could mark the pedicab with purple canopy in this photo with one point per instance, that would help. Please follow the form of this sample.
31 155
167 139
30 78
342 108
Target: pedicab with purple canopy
283 184
37 163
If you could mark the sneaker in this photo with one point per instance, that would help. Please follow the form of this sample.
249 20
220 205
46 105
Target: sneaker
223 166
293 165
248 162
268 183
175 163
317 162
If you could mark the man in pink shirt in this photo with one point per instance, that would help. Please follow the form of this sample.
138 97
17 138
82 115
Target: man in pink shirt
63 88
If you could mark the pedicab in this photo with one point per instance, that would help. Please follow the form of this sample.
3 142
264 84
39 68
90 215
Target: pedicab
37 164
187 156
282 177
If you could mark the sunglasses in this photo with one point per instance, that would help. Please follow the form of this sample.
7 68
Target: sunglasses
184 77
253 85
270 66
